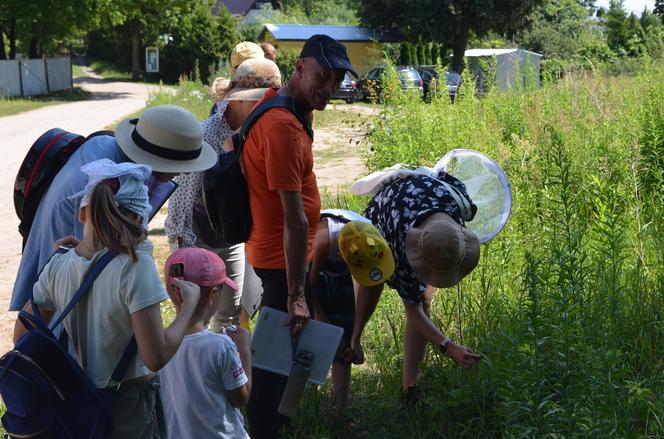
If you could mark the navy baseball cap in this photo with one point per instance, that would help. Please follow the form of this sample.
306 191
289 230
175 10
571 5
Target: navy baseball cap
329 53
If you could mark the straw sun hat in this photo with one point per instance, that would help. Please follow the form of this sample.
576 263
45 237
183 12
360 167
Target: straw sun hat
168 138
252 79
440 251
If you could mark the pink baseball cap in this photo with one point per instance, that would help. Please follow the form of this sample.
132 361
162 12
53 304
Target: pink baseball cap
200 266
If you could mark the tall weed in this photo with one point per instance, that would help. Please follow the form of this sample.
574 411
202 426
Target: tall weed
566 304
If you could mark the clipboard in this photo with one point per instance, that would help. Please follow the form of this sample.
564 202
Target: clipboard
271 344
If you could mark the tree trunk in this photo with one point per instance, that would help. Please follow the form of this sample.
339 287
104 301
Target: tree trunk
3 54
36 49
134 29
459 49
12 39
276 4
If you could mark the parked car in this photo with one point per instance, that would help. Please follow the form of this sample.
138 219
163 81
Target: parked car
370 85
348 90
452 81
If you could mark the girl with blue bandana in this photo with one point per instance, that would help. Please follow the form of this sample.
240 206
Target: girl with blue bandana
124 300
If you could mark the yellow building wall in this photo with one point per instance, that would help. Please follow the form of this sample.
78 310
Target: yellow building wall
363 54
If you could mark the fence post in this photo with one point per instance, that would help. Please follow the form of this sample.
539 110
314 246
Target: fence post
20 76
48 88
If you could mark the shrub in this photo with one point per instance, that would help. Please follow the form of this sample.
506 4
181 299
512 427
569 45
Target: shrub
404 55
286 59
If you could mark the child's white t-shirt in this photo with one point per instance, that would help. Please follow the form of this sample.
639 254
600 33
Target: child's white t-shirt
194 385
100 324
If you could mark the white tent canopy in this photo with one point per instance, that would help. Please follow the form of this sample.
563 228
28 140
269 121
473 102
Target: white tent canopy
512 65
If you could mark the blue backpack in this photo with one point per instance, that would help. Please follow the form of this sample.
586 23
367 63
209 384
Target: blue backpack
45 390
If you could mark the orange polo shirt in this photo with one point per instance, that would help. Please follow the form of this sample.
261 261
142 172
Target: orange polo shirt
278 156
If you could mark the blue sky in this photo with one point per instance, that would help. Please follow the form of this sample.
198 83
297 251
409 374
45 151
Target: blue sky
631 5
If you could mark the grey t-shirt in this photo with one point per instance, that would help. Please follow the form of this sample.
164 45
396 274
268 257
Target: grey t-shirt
100 324
194 385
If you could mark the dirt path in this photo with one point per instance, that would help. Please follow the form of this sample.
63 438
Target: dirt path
338 156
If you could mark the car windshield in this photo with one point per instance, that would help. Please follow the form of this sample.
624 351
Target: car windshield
409 74
452 78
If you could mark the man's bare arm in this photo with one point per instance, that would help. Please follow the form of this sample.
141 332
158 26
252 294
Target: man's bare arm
296 234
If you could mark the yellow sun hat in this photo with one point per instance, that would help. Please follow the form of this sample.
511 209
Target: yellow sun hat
366 253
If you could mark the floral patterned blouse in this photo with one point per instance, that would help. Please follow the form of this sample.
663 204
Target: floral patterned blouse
403 204
188 195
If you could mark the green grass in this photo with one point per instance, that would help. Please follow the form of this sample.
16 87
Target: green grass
110 71
566 304
77 71
9 106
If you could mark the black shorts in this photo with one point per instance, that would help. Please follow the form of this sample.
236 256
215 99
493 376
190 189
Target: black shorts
336 296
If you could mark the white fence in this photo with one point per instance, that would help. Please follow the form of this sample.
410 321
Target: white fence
34 76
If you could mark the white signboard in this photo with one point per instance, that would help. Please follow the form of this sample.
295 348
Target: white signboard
152 59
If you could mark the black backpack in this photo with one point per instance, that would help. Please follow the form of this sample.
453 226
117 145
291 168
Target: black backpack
225 190
42 163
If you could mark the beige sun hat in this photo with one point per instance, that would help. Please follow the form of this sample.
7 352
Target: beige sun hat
168 138
244 51
252 79
441 252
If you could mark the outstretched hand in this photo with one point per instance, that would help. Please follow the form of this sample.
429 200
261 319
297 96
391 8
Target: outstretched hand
357 353
462 355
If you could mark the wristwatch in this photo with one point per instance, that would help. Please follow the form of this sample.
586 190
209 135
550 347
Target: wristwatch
443 345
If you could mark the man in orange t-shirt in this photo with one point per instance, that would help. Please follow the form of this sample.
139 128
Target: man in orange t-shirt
285 206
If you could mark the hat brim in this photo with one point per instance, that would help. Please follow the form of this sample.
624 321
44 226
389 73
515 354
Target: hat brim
245 94
330 62
375 275
431 276
206 160
231 283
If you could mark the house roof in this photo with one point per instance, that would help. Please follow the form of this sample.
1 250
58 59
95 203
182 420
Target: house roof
301 32
235 7
494 52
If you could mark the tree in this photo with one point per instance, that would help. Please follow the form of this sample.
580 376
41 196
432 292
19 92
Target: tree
427 53
435 53
197 39
448 21
659 9
414 59
588 4
317 12
615 23
561 29
41 26
404 55
421 56
139 17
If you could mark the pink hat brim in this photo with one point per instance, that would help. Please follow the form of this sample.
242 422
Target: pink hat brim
231 283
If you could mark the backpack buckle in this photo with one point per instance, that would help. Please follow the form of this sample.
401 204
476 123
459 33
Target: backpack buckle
111 384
